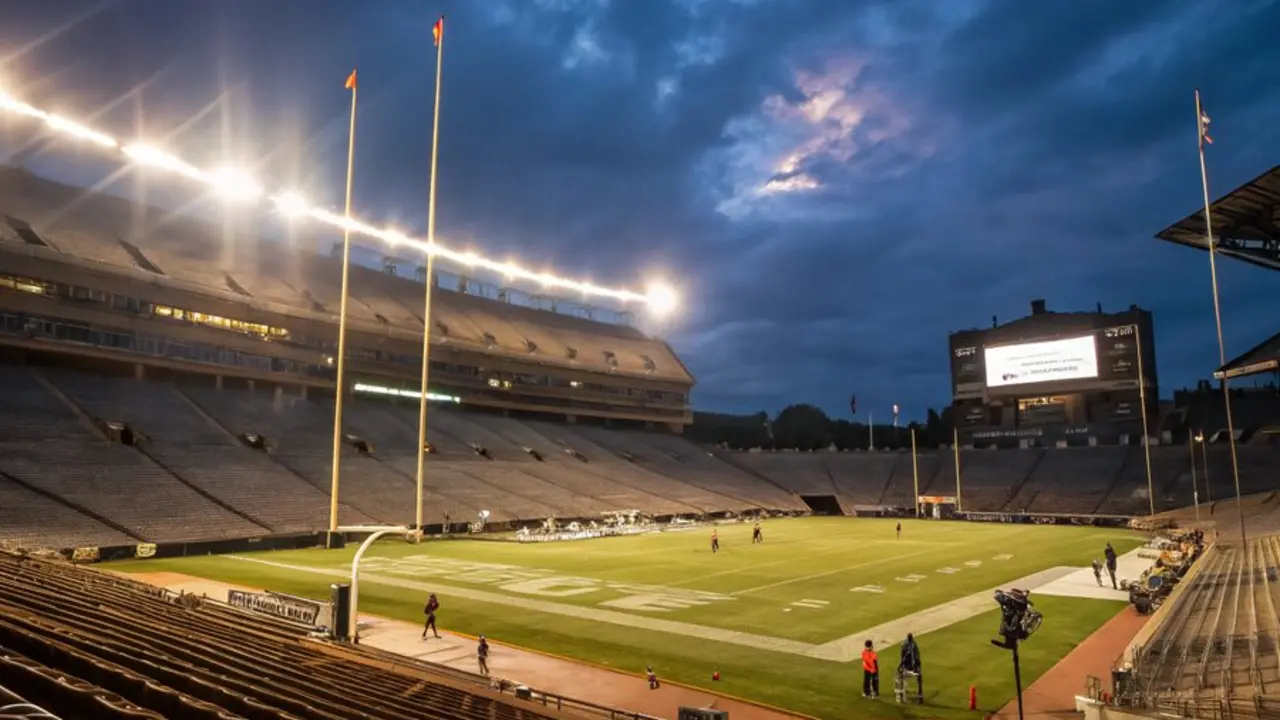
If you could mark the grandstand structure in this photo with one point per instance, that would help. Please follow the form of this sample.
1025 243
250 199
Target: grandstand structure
163 384
75 643
1213 650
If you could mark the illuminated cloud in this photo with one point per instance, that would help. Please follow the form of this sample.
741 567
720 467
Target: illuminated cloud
804 141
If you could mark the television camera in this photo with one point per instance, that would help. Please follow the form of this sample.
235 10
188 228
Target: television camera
1018 617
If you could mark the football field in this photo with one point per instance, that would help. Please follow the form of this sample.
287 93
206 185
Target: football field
783 621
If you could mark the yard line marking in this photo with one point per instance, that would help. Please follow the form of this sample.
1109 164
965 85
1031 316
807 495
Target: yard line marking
815 576
912 578
841 547
733 637
973 563
868 589
1003 556
948 570
930 619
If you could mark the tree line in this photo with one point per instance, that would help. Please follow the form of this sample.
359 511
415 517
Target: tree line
806 427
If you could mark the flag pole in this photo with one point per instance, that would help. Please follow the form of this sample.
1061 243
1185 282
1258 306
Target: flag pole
1217 315
438 31
915 474
871 432
340 384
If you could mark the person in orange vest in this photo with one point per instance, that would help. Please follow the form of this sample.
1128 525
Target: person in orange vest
870 671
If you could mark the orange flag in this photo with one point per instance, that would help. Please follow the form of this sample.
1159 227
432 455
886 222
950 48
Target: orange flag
351 80
437 30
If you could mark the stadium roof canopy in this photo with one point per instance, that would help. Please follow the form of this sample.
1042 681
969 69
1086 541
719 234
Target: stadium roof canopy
1246 223
1261 359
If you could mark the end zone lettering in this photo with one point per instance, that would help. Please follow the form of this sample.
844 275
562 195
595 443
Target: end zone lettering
545 583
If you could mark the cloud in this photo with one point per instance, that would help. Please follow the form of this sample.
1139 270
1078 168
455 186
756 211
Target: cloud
820 133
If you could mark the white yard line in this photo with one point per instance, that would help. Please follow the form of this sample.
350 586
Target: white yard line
847 568
934 618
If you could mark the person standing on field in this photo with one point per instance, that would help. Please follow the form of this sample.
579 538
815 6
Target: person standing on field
482 655
870 671
756 535
899 530
1110 554
433 605
715 541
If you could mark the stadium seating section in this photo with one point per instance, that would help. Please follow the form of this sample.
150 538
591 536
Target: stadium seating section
48 220
191 475
1217 640
85 644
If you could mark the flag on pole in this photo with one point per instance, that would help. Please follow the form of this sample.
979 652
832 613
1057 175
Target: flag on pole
351 80
1204 129
853 404
437 31
895 414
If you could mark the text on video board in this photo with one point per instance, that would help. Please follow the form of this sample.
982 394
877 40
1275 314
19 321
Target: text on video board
1050 361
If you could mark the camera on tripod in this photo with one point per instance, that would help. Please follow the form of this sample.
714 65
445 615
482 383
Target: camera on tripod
1018 617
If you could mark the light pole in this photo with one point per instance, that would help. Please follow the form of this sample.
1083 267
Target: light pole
1146 436
1204 463
1195 487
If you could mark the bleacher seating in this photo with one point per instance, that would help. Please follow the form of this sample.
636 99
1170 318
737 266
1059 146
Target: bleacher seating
83 644
1217 638
191 475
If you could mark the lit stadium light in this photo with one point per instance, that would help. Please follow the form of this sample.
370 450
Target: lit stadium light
662 299
292 204
236 184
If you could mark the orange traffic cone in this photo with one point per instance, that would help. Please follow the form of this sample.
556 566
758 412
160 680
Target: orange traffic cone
973 697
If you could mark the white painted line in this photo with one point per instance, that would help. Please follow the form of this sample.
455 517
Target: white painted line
1002 556
912 578
867 589
948 570
815 576
973 563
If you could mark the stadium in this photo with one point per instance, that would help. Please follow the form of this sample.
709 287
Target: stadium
167 488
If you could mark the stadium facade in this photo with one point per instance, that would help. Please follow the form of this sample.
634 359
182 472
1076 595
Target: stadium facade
95 278
1055 378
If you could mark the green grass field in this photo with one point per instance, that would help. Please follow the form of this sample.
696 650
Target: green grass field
664 599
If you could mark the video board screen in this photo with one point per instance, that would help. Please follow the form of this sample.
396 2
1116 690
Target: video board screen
1040 362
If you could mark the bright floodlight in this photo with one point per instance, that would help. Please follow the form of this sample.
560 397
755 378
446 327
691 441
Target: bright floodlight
662 299
235 184
292 205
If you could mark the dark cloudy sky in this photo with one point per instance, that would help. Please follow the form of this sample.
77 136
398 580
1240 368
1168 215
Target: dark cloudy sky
833 184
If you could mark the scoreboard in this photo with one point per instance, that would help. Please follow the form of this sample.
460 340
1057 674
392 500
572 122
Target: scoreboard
987 364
